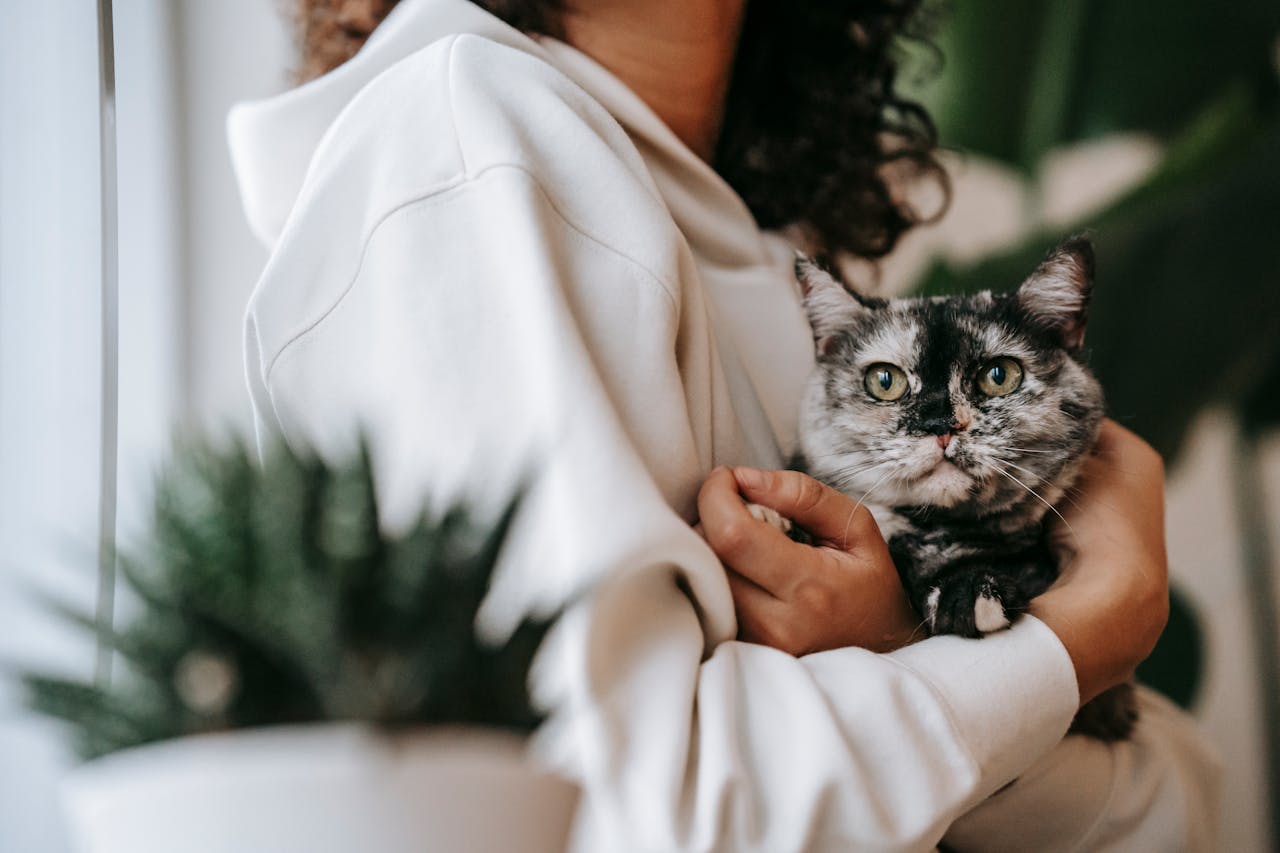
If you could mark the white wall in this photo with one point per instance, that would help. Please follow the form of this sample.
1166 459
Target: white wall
49 375
229 51
186 264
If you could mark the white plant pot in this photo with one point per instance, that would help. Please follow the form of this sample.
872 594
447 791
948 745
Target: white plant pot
342 788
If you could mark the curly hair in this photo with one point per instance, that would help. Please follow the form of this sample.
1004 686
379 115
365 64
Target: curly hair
813 125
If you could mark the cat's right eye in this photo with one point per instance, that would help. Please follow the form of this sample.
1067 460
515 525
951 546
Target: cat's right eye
885 382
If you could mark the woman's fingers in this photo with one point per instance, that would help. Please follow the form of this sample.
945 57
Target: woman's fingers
794 597
757 611
757 550
827 514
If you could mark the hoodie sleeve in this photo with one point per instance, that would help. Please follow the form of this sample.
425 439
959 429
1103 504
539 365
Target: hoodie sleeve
1156 791
505 323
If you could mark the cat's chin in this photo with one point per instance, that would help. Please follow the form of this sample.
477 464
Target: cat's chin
944 486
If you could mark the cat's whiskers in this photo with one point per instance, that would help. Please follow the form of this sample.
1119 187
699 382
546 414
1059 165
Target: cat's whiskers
852 479
1037 496
1076 490
847 478
874 486
844 537
916 630
1066 496
1039 477
1042 479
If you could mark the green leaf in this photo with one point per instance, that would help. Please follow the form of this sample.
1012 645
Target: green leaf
269 594
1025 76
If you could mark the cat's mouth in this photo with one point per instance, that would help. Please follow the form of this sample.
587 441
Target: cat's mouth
946 466
944 483
945 459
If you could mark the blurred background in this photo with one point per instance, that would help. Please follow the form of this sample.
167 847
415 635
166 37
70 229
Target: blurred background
1155 124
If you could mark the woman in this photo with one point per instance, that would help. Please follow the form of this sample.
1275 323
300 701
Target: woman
501 251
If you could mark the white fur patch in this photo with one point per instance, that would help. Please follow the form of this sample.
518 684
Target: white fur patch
988 615
889 522
931 606
996 341
770 516
895 343
946 485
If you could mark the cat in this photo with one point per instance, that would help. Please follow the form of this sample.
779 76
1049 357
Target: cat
960 421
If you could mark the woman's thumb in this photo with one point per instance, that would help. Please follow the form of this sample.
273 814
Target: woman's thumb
827 514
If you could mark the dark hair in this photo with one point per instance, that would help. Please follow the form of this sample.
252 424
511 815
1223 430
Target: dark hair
812 124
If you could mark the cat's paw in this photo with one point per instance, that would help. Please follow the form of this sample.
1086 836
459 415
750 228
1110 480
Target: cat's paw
780 521
970 604
770 516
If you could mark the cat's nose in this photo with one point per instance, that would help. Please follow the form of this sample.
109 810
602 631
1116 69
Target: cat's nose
944 440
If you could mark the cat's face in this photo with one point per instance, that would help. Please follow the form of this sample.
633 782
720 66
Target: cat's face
964 403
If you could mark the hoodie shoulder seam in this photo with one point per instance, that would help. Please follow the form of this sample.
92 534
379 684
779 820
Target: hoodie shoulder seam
453 111
441 195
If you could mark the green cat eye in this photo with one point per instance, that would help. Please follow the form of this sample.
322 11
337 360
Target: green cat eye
885 382
1000 376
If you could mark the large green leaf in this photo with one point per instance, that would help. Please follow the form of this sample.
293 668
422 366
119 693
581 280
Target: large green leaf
1023 77
981 100
1153 64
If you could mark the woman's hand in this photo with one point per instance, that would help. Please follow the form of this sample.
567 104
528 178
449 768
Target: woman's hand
1112 599
799 598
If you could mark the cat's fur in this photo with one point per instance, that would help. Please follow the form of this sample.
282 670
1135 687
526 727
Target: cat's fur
960 482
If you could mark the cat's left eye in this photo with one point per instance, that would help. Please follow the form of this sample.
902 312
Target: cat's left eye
1000 376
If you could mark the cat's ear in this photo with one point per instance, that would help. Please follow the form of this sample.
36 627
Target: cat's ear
1056 296
829 304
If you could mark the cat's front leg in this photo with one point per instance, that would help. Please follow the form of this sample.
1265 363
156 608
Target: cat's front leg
969 602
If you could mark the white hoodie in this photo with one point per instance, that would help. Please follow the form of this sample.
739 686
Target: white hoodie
491 256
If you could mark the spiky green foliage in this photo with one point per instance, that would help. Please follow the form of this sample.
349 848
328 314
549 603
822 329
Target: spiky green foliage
269 594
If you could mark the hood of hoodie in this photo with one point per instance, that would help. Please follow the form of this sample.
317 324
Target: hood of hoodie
273 140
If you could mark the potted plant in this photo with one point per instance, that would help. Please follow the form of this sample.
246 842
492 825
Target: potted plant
293 677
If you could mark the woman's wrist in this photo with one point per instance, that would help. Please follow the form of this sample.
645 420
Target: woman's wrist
1107 620
1112 600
